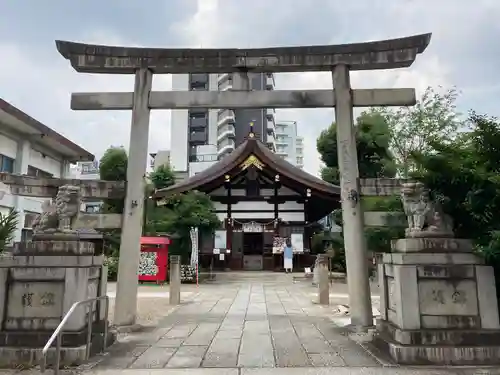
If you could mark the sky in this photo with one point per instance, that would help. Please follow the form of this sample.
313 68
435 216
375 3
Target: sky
464 53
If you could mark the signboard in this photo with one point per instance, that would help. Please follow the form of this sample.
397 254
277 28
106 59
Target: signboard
220 239
89 167
297 240
252 227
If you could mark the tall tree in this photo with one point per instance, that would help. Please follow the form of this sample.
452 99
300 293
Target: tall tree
372 139
113 167
463 176
374 160
413 129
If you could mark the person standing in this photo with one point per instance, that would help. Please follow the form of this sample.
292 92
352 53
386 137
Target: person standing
288 256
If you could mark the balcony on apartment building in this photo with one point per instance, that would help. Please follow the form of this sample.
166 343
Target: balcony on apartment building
225 116
281 140
271 124
270 83
226 131
271 142
224 147
222 77
225 83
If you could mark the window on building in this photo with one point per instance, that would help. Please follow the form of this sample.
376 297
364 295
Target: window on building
6 164
35 172
29 218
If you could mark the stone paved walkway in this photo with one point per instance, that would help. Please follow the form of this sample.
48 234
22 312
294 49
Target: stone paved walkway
249 324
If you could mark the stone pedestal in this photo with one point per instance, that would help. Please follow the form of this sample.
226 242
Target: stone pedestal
39 282
438 304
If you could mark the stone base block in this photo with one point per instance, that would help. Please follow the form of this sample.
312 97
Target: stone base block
432 337
34 339
438 346
71 355
14 357
439 354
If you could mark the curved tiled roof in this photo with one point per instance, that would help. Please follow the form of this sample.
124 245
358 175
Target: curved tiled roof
255 147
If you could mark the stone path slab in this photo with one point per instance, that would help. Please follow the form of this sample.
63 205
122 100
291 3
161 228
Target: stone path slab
250 324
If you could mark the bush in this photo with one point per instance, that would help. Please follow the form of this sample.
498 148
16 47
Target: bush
112 263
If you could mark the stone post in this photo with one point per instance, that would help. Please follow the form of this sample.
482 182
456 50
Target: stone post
324 280
126 290
175 280
352 214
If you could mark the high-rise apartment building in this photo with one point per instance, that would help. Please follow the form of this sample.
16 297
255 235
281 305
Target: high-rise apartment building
200 137
288 144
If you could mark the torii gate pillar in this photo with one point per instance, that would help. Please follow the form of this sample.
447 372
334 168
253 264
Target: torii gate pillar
352 215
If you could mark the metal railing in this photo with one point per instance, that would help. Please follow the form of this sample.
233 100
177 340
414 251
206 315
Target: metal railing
57 335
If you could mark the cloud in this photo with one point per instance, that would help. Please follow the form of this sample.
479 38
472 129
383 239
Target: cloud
221 23
44 92
463 52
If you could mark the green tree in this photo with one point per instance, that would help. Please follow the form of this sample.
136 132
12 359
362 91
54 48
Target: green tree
375 160
162 177
181 213
113 167
463 176
372 139
414 129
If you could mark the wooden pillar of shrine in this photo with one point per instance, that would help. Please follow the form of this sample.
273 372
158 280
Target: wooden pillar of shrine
229 219
277 185
307 231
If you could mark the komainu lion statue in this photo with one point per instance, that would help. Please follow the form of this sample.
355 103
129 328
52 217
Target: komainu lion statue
60 213
425 218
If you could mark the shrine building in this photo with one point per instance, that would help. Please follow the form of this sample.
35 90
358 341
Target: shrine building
261 200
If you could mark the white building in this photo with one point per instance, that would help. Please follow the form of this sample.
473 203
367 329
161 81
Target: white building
289 145
159 158
200 137
28 147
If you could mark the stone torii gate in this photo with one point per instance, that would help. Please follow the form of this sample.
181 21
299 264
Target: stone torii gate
338 59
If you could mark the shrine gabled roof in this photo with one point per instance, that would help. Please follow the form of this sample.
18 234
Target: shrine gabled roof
250 147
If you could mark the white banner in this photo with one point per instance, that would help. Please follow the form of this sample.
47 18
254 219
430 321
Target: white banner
194 246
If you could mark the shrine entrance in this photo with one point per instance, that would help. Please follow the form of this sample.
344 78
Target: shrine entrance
253 251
